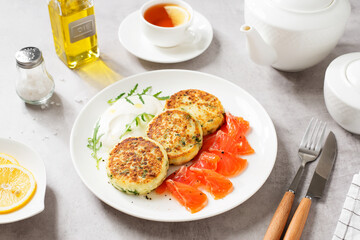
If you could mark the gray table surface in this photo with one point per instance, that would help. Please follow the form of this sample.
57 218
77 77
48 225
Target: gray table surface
73 212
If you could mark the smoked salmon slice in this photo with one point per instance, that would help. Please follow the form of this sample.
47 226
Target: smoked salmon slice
216 184
206 160
162 188
243 146
183 175
229 165
207 143
224 142
235 126
238 129
191 198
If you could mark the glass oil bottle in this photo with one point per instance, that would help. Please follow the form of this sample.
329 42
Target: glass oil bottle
74 31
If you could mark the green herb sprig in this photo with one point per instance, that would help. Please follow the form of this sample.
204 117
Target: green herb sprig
156 95
94 144
145 117
133 92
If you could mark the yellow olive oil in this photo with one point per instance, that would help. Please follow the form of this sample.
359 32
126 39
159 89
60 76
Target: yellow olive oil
74 31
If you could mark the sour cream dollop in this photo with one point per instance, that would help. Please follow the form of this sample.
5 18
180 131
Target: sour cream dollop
114 120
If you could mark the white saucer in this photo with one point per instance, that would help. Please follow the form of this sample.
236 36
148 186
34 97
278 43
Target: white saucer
135 42
31 160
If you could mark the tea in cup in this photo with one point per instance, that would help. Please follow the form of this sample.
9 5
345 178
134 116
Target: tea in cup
166 23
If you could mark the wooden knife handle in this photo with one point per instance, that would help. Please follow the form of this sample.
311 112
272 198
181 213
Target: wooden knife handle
298 221
280 217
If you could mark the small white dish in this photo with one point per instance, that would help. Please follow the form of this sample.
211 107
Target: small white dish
342 91
161 208
132 38
31 160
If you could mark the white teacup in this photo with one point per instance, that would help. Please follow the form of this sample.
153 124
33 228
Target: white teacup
168 36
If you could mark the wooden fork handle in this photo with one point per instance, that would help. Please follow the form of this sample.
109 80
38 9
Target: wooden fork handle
298 221
280 217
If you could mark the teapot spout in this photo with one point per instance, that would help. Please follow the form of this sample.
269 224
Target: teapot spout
259 51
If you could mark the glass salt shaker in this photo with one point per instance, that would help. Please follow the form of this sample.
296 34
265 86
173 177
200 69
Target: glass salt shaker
34 84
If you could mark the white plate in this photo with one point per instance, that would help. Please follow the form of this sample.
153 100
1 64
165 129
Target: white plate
132 39
29 159
262 138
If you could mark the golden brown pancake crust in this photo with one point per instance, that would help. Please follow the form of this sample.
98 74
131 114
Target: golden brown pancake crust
136 160
178 132
205 107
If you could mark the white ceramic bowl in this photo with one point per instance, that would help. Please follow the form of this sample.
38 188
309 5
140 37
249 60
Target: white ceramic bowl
342 91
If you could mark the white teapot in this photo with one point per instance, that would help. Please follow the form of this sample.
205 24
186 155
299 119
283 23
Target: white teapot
292 35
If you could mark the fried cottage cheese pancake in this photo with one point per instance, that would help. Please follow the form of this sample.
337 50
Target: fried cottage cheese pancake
205 107
137 165
178 132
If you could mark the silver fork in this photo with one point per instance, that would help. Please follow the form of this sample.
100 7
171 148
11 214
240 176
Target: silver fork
309 149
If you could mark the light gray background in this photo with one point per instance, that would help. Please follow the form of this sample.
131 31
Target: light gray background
73 212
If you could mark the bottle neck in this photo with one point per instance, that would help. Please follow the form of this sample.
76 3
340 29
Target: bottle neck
68 6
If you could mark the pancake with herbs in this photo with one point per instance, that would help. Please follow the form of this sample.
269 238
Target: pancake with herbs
205 107
137 165
178 132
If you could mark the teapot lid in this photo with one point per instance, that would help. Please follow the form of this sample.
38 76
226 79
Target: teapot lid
305 6
343 78
300 15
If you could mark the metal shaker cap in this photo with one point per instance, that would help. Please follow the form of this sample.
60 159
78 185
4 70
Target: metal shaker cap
28 57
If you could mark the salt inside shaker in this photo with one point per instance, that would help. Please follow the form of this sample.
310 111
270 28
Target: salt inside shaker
34 84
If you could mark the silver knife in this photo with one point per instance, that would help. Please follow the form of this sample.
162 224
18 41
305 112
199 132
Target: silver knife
316 188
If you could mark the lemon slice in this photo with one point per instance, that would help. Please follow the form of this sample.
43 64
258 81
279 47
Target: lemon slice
7 159
178 15
17 186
